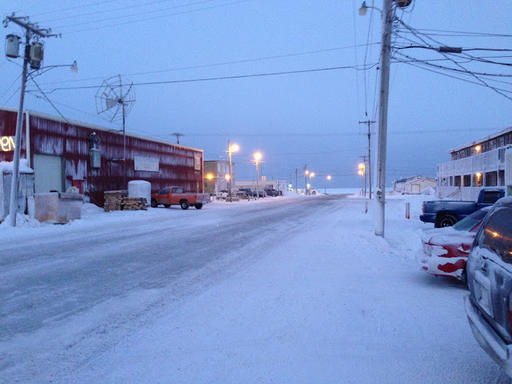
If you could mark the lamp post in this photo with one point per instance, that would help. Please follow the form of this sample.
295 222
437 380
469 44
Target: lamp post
257 158
311 175
361 171
306 185
327 178
231 148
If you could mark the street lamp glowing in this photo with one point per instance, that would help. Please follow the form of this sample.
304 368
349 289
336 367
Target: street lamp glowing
234 147
227 176
209 176
329 177
312 174
306 172
478 148
257 157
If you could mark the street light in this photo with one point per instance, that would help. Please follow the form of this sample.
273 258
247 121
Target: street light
361 171
231 148
257 156
327 178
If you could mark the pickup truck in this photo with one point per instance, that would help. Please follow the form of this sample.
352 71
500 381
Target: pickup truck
177 196
445 213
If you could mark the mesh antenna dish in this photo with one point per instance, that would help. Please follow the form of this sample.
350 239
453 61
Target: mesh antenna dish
115 98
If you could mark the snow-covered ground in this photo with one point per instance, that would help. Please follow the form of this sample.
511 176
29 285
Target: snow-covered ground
283 290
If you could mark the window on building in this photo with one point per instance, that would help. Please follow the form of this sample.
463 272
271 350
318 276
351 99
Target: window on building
477 180
451 181
456 181
502 177
491 179
467 180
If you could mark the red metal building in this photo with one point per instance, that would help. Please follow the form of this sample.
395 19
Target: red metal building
66 153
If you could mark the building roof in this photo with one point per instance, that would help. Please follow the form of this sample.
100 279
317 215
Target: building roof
98 128
490 137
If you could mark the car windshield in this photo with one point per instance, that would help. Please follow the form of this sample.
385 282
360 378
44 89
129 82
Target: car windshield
469 222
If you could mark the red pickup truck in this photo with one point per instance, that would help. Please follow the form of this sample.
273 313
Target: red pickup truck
177 196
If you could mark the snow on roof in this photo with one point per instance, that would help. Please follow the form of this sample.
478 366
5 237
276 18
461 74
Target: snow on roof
490 137
98 128
6 166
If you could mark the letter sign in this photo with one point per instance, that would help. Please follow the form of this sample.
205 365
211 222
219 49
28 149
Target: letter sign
6 143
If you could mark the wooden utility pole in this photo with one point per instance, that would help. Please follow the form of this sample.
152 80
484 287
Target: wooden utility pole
369 122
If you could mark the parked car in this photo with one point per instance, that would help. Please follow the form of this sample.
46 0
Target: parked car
489 270
446 250
260 193
248 191
242 194
223 194
271 192
177 196
445 213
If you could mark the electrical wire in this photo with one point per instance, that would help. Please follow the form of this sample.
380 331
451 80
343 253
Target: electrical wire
199 66
232 77
413 31
155 17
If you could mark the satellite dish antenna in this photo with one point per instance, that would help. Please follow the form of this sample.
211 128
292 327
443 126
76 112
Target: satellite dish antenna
115 99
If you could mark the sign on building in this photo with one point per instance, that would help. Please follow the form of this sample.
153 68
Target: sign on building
6 143
148 164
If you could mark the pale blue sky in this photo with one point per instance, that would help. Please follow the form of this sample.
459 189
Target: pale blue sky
309 118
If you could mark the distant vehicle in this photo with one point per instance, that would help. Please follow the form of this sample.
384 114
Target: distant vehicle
260 193
248 191
446 250
271 192
445 213
489 271
223 194
242 194
177 196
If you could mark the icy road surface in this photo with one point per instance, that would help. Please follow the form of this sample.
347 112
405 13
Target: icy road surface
275 291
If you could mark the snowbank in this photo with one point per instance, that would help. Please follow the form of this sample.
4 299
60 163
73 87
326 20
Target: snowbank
7 166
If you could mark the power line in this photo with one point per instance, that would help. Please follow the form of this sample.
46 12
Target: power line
222 63
455 62
232 77
156 17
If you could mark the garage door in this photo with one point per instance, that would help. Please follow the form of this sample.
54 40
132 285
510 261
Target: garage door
49 173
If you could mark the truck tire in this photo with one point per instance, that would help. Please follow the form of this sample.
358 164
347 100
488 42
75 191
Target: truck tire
445 220
154 204
184 204
198 205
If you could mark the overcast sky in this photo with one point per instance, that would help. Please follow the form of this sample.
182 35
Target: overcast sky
294 119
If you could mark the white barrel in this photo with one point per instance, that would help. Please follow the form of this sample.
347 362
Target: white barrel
140 188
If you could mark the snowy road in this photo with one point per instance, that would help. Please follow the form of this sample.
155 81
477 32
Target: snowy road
284 290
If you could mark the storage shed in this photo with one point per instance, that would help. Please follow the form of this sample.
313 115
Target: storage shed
65 153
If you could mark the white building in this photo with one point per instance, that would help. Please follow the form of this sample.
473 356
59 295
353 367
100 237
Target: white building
482 163
414 185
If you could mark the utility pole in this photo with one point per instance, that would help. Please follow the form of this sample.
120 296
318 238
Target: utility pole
364 175
296 179
306 172
178 135
387 19
369 122
31 30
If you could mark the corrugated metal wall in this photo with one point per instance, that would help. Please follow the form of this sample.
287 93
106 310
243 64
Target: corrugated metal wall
178 165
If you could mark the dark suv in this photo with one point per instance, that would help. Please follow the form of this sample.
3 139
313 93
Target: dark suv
489 271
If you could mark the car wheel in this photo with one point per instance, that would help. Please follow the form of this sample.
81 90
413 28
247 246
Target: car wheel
184 204
154 204
198 206
445 220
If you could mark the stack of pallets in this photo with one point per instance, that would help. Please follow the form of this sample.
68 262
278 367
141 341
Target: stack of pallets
134 203
113 200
